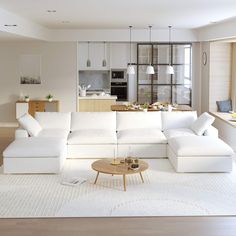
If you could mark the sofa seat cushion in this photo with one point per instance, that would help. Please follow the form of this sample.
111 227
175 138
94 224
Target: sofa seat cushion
172 133
35 147
141 136
92 137
54 133
199 146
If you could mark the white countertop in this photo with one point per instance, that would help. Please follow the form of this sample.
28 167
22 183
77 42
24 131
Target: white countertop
99 97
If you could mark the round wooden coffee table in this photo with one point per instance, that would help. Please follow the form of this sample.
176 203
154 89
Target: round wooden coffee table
104 166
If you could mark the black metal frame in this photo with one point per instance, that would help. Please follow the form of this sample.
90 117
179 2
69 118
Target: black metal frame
163 64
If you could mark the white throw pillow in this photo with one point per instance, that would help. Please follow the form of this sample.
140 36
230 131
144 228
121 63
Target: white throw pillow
203 122
30 124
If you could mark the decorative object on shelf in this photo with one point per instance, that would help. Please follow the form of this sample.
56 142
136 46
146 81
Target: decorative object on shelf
150 68
49 97
204 58
170 68
130 68
27 99
88 60
83 90
104 62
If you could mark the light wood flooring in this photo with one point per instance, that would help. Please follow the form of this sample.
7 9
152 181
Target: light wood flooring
147 226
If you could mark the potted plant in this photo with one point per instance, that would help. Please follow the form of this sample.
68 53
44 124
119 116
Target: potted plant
27 98
49 97
145 107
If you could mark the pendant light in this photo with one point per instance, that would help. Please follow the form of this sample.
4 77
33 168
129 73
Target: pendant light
104 62
88 60
130 68
150 68
170 68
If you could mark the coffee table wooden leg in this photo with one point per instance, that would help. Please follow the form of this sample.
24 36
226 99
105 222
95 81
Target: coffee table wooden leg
141 177
96 178
124 181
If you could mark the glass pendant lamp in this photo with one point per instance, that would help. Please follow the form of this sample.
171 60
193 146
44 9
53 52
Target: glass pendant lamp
150 68
130 68
88 60
170 68
104 62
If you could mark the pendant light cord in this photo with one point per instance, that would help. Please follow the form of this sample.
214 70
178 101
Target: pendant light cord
169 45
104 50
88 51
150 37
130 28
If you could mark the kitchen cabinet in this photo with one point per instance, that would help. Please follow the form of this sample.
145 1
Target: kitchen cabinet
90 104
34 106
96 56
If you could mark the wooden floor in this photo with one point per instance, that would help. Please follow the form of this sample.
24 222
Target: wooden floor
155 226
150 226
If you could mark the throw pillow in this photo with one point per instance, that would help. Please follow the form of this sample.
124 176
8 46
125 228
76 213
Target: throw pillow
30 124
203 122
224 106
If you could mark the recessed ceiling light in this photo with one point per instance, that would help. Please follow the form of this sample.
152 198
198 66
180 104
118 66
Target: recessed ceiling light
10 25
51 11
65 22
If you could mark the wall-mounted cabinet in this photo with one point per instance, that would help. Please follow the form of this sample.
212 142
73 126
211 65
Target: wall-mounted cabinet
96 56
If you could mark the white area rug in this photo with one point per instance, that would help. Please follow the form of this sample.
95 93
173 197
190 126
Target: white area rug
164 193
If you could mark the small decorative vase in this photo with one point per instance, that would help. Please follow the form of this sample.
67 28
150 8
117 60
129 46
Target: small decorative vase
145 109
27 99
50 99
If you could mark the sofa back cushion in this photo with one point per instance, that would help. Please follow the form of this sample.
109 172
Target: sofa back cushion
178 119
93 120
138 120
54 120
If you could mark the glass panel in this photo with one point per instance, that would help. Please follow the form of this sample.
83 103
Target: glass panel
182 75
143 77
144 94
161 77
162 93
145 53
181 94
181 54
160 54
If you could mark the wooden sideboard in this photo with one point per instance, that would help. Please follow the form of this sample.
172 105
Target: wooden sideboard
36 106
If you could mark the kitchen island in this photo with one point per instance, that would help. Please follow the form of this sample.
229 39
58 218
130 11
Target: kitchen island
97 103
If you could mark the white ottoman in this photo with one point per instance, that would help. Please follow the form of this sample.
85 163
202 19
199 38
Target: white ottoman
199 154
35 155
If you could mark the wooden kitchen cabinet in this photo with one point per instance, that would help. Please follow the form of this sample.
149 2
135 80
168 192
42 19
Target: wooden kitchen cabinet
95 105
34 106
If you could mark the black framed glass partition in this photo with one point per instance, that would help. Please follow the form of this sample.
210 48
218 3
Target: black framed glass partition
163 87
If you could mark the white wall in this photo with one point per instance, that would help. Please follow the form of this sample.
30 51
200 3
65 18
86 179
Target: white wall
220 73
58 75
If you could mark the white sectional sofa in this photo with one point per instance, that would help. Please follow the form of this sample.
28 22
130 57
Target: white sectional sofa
105 134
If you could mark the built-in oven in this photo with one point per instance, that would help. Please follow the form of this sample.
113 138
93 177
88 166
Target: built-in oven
119 84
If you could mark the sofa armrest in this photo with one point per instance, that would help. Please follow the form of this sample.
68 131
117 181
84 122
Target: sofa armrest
211 131
21 133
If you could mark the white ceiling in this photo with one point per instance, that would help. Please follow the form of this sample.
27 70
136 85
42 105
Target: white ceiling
5 36
113 14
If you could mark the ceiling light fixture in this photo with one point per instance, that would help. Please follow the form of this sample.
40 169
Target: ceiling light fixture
51 11
130 68
10 25
104 62
65 22
150 68
170 68
88 60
